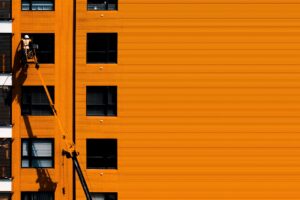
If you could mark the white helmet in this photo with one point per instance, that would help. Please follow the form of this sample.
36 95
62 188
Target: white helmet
26 37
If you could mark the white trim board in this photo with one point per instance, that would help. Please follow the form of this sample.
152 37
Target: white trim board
5 186
5 80
5 132
6 27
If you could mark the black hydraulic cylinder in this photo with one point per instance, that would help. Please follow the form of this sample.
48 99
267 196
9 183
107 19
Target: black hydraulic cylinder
81 178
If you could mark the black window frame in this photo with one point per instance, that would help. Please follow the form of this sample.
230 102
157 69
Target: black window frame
7 13
99 6
108 106
30 157
30 105
44 56
109 52
8 68
106 195
104 155
30 6
23 193
6 107
5 163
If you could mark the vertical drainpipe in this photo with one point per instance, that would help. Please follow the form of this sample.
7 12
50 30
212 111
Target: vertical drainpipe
73 93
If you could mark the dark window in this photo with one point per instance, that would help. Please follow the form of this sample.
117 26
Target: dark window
5 196
38 5
37 196
5 9
5 158
5 106
101 153
101 100
45 43
104 196
35 101
38 153
102 47
102 4
5 53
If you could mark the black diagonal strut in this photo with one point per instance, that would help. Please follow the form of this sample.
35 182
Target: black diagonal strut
81 178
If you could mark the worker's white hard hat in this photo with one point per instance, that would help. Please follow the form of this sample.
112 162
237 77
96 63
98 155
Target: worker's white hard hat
26 37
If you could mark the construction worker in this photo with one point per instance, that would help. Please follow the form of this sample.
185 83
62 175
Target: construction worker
25 45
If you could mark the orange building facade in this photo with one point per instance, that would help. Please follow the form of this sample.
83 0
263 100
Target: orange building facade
163 99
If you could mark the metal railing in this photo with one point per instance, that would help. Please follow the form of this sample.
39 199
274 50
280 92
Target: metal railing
5 9
5 106
5 158
5 53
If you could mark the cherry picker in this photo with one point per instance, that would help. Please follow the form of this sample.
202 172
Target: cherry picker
29 57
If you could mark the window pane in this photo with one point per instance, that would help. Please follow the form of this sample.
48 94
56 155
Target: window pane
42 163
37 196
25 163
35 101
41 148
42 5
96 111
102 47
101 100
98 197
25 148
38 5
104 196
102 153
102 5
37 153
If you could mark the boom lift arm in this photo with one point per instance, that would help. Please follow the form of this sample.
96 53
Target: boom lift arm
69 147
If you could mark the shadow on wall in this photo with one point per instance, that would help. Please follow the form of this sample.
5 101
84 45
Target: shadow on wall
44 180
19 76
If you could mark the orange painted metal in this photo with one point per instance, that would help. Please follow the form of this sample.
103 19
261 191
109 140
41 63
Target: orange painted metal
208 103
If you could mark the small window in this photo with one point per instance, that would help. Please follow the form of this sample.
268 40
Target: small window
37 195
101 153
45 43
37 5
104 196
102 4
102 48
37 153
101 100
35 101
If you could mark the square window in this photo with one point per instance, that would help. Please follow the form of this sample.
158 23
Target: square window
35 101
37 195
101 100
104 196
102 47
37 5
101 153
102 5
45 43
37 153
